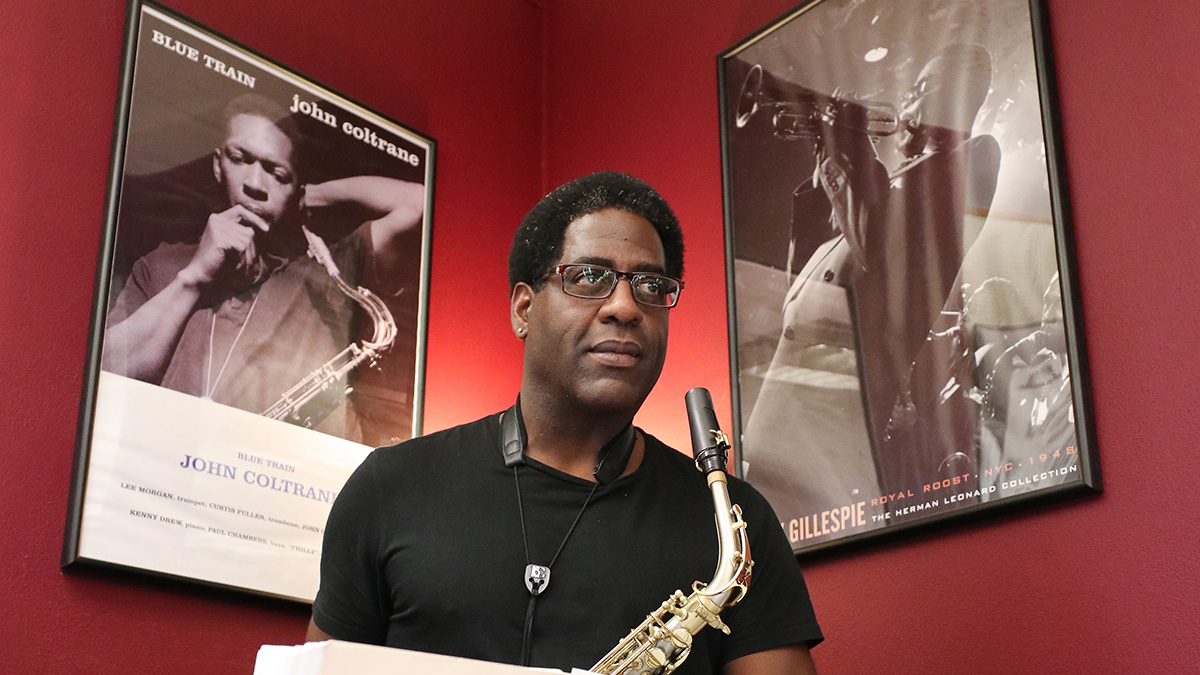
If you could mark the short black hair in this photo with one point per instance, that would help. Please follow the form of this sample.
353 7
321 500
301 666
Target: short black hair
257 105
538 242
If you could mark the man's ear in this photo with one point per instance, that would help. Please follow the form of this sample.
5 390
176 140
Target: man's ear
519 307
217 165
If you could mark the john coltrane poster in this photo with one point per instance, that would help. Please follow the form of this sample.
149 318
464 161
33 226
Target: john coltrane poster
904 319
260 313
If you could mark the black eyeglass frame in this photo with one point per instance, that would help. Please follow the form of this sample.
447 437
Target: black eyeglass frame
631 277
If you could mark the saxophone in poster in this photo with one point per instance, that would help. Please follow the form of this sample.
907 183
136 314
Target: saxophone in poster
307 403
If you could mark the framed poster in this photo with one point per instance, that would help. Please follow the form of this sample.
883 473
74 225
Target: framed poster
260 312
905 327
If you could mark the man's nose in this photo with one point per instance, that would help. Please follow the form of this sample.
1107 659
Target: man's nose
621 306
255 183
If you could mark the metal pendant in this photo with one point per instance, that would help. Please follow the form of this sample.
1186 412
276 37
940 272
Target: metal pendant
537 578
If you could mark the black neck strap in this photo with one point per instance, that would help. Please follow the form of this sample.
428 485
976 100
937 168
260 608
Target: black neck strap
513 438
612 459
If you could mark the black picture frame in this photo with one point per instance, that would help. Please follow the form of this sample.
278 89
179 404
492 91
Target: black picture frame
213 456
905 324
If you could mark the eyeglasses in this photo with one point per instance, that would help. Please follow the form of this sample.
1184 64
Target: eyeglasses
597 282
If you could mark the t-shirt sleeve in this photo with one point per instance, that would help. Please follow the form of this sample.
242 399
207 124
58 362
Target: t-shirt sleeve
132 296
776 611
351 602
149 276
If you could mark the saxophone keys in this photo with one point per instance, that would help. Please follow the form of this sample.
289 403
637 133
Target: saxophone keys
654 659
682 639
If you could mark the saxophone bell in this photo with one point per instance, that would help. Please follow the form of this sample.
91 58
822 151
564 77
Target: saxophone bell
310 400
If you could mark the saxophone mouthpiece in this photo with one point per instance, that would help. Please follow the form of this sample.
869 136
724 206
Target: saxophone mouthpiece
708 441
319 251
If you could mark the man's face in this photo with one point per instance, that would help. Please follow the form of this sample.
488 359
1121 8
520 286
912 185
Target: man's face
929 83
947 94
255 167
603 355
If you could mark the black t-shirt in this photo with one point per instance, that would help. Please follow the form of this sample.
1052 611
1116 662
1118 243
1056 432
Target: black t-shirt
423 550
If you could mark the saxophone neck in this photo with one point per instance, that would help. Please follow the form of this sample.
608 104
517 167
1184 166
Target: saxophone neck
734 562
710 446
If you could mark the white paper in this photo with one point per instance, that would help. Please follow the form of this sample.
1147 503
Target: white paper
188 487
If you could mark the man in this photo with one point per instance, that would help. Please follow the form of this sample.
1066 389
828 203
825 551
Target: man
830 427
242 315
429 544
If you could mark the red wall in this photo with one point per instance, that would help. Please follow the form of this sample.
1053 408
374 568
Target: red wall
521 98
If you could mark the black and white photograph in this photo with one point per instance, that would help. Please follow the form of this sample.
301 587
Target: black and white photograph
901 328
261 319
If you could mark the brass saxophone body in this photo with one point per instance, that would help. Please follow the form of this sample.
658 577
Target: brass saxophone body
664 639
306 403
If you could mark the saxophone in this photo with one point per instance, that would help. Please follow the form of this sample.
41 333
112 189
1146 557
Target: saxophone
664 639
298 404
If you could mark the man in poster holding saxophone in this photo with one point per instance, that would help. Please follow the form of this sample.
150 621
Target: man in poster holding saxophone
243 315
541 535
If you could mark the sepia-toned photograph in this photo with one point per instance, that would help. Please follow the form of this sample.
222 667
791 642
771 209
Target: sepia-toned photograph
260 320
903 341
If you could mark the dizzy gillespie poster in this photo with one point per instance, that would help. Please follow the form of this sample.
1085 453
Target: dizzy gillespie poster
903 350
